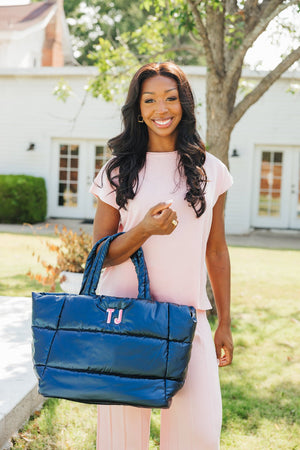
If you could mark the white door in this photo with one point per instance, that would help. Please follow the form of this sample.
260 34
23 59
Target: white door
295 191
276 201
74 166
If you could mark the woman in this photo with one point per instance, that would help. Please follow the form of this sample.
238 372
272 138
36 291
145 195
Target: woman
167 194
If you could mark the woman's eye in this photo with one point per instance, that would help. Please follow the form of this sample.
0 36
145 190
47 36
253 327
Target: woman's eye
169 99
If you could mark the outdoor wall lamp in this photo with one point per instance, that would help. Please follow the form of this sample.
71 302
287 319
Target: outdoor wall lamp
235 153
30 147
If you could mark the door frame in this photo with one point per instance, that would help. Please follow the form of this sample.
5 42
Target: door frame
287 205
294 219
84 208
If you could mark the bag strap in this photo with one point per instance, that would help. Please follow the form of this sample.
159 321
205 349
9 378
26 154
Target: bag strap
90 268
94 264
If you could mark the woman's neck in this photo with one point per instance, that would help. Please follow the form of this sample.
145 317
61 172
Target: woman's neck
162 145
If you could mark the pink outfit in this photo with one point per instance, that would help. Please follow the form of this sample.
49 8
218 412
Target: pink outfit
176 263
193 422
177 273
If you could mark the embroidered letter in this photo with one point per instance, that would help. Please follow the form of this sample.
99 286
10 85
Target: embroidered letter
119 319
109 311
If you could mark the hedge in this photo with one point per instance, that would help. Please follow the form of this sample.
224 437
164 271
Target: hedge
23 198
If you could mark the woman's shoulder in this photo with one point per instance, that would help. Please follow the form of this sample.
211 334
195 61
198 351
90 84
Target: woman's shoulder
106 165
108 161
217 174
212 161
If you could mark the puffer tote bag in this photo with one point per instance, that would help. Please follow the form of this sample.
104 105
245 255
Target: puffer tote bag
111 350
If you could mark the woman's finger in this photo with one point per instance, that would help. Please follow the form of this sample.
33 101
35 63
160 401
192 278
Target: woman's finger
160 207
226 357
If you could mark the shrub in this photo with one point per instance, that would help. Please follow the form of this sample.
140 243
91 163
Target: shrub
71 253
23 198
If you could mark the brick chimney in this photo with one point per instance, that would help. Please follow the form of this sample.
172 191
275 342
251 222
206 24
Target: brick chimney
53 49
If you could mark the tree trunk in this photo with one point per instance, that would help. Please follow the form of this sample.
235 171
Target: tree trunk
217 137
218 129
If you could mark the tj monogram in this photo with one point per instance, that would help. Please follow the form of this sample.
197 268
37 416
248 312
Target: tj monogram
118 319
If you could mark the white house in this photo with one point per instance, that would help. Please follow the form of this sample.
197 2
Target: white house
34 34
65 143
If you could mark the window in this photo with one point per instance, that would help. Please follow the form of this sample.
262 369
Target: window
68 175
270 183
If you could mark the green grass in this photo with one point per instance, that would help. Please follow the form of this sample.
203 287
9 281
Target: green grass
260 389
61 425
19 255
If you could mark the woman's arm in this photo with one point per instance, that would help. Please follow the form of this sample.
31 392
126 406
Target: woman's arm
158 220
218 267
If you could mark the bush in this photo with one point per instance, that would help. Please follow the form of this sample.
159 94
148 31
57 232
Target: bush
71 255
23 198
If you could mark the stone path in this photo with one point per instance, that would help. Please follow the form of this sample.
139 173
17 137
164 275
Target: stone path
18 385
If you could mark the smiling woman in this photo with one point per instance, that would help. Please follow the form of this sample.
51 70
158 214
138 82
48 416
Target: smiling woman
160 156
132 146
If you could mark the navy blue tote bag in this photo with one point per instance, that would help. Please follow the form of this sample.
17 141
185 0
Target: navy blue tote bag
109 350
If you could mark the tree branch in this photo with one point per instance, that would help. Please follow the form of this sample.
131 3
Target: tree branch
231 6
203 34
267 7
250 4
249 39
263 86
195 39
215 32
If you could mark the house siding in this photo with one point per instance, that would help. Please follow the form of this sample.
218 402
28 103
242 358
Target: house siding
25 52
29 112
272 122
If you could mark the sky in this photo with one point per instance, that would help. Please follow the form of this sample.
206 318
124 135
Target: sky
13 2
265 55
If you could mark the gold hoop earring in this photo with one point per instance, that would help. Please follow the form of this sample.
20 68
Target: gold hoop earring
140 119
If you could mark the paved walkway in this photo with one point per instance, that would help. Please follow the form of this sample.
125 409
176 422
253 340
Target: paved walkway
47 228
256 238
281 239
18 386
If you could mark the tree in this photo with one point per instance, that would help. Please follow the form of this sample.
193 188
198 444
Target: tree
110 19
223 29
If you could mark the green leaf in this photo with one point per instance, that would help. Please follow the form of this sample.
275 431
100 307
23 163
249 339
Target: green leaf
62 90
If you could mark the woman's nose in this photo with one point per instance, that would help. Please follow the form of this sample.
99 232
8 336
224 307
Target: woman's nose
161 107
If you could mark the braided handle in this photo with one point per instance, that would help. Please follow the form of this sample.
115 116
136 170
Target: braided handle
94 264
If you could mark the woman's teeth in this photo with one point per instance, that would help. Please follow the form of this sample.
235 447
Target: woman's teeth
163 122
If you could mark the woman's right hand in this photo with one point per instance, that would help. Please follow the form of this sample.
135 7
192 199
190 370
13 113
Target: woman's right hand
160 219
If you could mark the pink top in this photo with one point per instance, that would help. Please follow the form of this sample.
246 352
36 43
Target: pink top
176 262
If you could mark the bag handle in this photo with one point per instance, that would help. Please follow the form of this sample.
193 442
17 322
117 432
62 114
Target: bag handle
94 264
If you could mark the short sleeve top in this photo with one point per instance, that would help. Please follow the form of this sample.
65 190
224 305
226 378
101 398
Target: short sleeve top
175 262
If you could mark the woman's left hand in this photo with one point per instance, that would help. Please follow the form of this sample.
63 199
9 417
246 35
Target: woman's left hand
224 345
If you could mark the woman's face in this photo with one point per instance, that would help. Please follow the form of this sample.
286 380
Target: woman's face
160 106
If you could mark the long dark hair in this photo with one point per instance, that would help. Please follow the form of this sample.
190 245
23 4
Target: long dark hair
130 147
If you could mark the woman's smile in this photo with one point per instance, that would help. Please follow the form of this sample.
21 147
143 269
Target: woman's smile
163 123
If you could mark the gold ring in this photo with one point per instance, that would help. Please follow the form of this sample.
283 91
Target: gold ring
175 223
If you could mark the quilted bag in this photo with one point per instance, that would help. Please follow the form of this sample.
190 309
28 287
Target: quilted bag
110 350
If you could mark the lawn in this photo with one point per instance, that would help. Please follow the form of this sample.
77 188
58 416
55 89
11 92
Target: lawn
260 389
19 255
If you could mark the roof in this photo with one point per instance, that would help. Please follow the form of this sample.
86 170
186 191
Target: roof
21 17
90 71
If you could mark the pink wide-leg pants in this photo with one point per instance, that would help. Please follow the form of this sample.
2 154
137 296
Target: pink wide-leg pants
193 422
